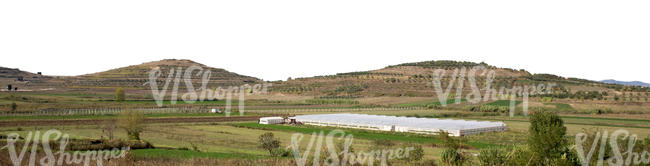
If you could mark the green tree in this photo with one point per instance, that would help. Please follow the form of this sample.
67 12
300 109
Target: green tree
268 142
448 141
453 157
491 157
417 153
119 94
133 122
13 106
546 137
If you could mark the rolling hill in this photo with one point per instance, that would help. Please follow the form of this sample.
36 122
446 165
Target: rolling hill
23 79
630 83
131 77
407 79
415 80
137 75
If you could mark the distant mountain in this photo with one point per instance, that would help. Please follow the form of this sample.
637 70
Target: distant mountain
630 83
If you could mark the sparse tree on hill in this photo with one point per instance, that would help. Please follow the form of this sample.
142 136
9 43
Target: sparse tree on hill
268 142
119 94
133 122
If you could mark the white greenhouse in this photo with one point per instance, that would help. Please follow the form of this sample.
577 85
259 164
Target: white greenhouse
271 120
402 124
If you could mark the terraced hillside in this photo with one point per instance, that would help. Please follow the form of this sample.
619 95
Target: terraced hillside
25 81
136 76
130 77
415 79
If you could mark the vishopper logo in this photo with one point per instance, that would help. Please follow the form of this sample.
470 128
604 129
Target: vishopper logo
346 156
620 155
204 93
491 94
55 158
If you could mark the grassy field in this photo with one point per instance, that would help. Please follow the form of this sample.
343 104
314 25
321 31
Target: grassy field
427 103
157 115
186 154
561 106
239 140
362 134
503 103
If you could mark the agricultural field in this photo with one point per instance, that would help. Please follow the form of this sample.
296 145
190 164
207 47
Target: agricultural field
183 141
106 111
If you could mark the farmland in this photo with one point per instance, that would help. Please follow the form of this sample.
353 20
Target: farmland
209 137
178 132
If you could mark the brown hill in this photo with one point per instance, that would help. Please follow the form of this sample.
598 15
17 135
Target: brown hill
136 76
130 77
22 79
415 79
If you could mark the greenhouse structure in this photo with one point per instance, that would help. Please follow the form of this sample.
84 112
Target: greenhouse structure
402 124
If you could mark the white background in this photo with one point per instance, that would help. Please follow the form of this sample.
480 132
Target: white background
276 39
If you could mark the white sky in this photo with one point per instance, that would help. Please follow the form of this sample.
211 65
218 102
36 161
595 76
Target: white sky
276 39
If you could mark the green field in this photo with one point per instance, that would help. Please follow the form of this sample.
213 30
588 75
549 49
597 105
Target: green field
157 115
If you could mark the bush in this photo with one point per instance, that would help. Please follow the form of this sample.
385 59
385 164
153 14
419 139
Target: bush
383 142
119 94
491 156
133 122
489 108
453 157
417 153
268 142
547 99
351 88
13 106
280 152
448 141
332 101
520 155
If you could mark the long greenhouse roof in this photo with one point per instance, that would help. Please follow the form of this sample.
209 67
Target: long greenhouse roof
411 122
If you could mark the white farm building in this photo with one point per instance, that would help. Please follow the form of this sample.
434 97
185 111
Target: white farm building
271 120
402 124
